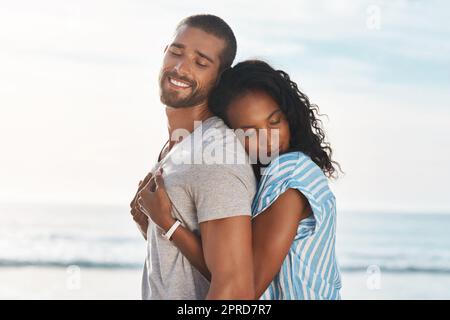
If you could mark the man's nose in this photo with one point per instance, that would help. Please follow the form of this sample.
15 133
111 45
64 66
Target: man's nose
182 67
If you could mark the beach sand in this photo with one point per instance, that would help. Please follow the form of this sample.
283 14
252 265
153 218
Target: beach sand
61 283
395 285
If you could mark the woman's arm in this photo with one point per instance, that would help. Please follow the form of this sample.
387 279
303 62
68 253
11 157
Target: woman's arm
274 231
190 246
154 202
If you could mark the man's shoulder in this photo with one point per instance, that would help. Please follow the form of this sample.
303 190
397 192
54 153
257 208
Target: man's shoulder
215 127
216 143
214 121
223 157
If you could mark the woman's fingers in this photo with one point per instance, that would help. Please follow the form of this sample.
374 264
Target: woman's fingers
140 218
141 186
135 213
159 181
146 181
147 177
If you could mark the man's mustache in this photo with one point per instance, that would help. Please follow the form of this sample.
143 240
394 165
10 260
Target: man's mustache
175 75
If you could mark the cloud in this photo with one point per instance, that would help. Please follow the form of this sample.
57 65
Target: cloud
81 118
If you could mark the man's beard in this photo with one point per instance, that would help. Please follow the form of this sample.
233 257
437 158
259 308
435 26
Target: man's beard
174 99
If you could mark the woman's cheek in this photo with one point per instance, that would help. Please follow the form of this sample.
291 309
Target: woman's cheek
288 138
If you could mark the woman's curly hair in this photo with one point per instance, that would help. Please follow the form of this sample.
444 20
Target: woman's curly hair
306 132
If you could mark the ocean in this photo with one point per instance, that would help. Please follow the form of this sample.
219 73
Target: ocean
104 239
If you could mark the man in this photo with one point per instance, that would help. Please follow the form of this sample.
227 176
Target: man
213 200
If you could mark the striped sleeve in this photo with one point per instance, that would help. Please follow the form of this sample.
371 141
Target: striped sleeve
297 171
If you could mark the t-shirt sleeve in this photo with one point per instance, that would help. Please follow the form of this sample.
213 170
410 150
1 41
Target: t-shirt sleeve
220 192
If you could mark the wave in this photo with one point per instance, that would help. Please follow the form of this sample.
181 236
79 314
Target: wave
391 269
64 264
134 265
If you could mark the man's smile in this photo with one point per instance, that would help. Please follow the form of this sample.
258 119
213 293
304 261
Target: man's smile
178 84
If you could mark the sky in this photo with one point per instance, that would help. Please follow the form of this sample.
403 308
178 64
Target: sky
81 121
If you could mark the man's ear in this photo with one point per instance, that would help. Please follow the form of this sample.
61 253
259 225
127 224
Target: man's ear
219 76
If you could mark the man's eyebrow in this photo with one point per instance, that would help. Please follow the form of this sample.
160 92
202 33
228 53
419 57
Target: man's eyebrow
201 54
177 45
252 126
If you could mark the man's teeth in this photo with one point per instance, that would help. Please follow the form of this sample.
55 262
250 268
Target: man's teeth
178 83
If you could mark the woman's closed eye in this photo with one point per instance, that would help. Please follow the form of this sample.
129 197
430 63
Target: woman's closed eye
275 122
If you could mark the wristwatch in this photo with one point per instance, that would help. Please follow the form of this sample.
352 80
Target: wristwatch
172 229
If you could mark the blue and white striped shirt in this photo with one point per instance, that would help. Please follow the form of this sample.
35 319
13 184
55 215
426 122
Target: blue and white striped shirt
310 269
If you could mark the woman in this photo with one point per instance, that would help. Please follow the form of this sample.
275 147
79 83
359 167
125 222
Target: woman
294 216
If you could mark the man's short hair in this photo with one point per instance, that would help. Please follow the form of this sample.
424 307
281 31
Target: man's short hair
216 26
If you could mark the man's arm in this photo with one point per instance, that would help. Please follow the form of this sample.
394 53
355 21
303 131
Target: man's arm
227 248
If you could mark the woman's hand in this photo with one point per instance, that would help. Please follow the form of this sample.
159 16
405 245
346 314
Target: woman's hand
138 216
155 202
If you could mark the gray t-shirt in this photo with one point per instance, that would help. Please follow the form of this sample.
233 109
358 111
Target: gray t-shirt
207 176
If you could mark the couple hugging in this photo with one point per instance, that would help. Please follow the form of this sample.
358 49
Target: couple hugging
237 205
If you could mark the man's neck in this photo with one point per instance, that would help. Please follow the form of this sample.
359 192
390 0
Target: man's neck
184 118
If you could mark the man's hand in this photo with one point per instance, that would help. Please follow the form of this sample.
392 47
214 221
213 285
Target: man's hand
155 203
138 216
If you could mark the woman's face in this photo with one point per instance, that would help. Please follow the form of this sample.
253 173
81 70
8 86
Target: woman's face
265 128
